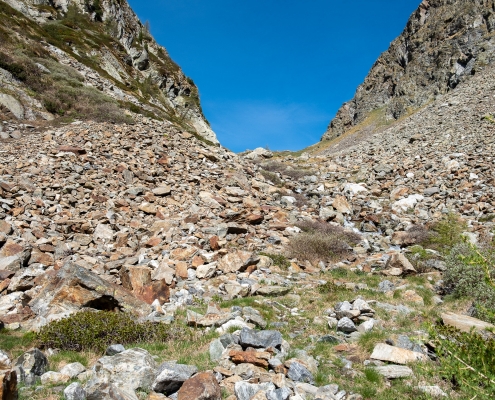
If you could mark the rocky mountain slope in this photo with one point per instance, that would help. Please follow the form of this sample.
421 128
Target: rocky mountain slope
330 275
444 43
91 59
147 219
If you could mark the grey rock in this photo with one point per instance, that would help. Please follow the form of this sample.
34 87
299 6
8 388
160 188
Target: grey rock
386 286
394 371
278 394
129 370
114 349
327 391
170 377
73 369
260 339
110 391
30 366
299 373
346 325
74 391
329 339
431 191
245 390
404 342
216 350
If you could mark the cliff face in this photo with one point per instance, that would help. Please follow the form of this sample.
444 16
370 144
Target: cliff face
444 42
106 43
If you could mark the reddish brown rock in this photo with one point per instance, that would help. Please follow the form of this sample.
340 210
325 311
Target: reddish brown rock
38 256
72 149
214 243
155 290
8 385
202 386
258 358
181 269
11 249
197 261
135 277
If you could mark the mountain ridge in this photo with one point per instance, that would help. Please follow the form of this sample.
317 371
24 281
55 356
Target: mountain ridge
443 43
106 43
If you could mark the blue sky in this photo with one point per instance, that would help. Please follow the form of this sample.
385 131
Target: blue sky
271 72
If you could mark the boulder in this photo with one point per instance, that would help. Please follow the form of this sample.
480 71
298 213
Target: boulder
397 355
260 339
8 385
202 386
237 261
130 370
71 288
465 323
170 377
74 391
30 366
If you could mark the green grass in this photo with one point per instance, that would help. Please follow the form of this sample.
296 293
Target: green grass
16 342
368 340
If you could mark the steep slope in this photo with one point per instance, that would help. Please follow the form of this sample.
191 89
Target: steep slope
86 59
444 42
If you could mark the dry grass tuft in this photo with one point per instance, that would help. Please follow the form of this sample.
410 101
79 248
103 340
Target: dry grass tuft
321 241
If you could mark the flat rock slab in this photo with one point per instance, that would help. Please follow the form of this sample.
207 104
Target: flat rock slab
394 371
396 355
465 323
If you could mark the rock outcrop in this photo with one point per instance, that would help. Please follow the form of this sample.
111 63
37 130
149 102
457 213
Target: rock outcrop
107 44
444 43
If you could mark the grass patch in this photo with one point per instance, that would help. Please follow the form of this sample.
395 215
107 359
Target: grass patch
368 340
16 342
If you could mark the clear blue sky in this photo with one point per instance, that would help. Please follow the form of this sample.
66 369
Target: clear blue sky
274 72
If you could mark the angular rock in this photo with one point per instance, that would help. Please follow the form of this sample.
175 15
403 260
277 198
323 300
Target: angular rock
73 369
170 377
202 386
74 391
299 373
237 261
346 325
260 339
394 371
397 355
129 370
465 323
30 366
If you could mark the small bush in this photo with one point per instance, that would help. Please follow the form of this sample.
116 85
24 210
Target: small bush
468 275
278 260
417 234
467 360
272 177
446 233
321 241
89 330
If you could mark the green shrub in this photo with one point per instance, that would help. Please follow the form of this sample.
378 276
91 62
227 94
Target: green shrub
467 360
446 233
469 274
321 241
278 259
89 330
272 177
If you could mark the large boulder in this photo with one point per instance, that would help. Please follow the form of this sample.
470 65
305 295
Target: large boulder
71 288
30 366
129 370
237 261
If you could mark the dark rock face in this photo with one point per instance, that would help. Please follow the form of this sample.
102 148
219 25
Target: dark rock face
444 42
